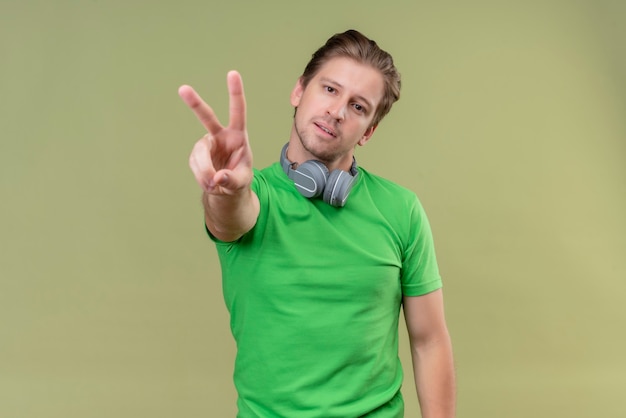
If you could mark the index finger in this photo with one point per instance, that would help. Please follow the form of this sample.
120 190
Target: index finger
237 101
202 110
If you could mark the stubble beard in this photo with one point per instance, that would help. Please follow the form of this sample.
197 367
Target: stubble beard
327 156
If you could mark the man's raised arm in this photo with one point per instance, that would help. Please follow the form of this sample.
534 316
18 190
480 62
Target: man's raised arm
221 162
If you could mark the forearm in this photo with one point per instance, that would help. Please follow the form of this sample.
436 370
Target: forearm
433 368
228 217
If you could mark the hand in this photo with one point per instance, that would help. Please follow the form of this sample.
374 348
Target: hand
221 160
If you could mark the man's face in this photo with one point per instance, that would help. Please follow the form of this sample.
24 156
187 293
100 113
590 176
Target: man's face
335 111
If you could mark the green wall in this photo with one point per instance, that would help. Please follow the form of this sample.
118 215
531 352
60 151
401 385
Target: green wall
511 129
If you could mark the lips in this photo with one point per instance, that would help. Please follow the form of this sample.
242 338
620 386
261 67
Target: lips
326 129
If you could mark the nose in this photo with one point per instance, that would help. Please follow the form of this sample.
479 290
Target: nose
337 111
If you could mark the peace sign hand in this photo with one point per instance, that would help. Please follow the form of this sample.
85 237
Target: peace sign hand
221 160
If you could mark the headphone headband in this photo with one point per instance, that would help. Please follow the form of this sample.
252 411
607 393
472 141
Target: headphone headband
312 179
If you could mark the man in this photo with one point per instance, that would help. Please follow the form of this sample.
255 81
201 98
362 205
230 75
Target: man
318 255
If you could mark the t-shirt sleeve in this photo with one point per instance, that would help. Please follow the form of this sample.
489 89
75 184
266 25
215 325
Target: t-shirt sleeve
420 272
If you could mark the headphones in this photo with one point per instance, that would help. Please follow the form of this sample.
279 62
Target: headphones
312 179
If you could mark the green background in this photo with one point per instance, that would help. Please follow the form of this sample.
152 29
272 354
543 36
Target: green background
511 128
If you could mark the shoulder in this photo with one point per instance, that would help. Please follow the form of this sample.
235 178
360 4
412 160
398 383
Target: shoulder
398 204
386 189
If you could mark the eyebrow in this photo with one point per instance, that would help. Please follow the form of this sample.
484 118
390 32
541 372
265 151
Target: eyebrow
358 97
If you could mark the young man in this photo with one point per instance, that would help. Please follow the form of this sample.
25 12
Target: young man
318 255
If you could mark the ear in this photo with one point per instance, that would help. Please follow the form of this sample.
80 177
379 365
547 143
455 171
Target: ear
367 135
296 93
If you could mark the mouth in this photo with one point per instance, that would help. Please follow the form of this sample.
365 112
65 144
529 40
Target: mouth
325 129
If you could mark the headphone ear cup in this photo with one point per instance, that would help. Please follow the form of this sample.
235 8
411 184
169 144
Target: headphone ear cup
338 188
310 178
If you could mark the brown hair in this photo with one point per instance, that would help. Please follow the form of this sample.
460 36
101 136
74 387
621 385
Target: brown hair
352 44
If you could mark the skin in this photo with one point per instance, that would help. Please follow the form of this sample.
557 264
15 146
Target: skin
221 162
334 114
431 353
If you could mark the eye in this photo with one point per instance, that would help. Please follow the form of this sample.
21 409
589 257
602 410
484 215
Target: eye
359 108
330 89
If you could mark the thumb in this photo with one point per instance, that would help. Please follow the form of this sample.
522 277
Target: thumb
231 181
223 179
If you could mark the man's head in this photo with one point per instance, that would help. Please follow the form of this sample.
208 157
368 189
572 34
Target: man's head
354 45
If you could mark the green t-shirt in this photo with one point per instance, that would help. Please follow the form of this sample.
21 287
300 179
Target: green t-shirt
314 294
